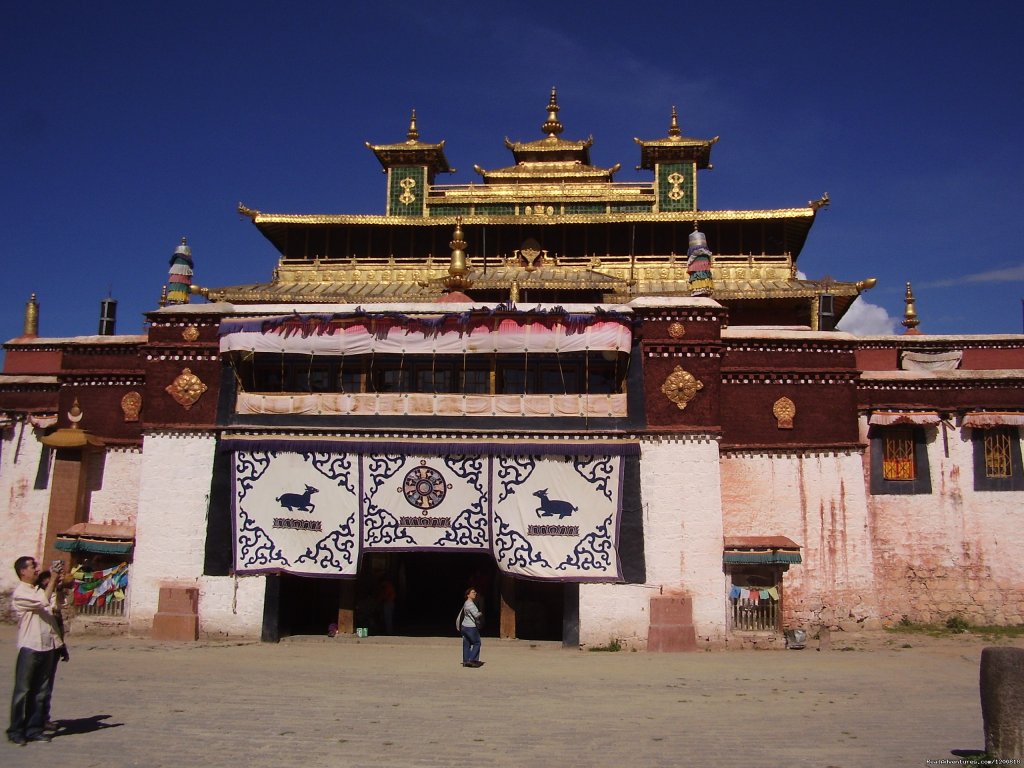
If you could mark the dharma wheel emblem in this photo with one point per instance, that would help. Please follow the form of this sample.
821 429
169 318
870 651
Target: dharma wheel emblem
186 389
424 487
680 387
407 196
784 410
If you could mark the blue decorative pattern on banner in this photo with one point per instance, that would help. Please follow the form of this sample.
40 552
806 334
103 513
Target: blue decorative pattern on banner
255 547
514 549
599 472
513 471
594 552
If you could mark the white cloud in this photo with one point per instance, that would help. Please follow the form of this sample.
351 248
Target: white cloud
1005 275
864 319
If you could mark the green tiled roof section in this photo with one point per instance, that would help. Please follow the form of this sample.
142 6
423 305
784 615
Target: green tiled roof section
407 199
449 210
571 208
629 208
675 187
495 210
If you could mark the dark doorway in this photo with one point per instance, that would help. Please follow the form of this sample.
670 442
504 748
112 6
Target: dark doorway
308 606
429 590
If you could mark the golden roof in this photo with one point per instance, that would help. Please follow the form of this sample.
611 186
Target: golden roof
675 147
412 152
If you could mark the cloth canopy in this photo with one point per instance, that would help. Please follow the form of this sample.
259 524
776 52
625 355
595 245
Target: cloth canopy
100 538
985 419
888 418
760 550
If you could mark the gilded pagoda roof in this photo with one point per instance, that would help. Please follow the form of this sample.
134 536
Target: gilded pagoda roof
675 147
555 170
412 151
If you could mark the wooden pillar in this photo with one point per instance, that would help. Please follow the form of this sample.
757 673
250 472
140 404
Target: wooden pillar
507 628
69 499
347 607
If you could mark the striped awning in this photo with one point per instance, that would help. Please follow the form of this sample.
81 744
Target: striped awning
760 550
888 418
984 419
99 538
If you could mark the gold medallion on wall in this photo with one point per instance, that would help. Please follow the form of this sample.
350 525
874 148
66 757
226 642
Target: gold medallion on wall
131 406
680 387
784 411
191 333
186 389
676 330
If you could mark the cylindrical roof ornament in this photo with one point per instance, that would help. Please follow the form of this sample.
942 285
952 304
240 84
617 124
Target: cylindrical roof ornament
31 328
698 264
179 278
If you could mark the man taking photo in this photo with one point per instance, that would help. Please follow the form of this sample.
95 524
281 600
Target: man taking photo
38 644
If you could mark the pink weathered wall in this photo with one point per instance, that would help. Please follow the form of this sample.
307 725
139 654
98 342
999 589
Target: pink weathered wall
954 552
817 499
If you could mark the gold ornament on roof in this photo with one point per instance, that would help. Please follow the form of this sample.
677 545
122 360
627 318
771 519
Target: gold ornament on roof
680 387
131 406
910 321
186 389
407 196
75 414
676 180
784 410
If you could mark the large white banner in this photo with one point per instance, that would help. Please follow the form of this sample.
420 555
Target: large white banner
425 502
557 517
314 513
297 513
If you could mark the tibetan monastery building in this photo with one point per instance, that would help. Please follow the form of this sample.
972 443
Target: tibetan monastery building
615 414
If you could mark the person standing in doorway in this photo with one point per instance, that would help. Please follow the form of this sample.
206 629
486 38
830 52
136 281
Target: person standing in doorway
472 621
38 644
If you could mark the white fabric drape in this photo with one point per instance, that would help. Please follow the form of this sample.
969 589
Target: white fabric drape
508 337
415 404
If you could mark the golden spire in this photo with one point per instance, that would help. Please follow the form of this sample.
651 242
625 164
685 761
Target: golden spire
413 135
910 321
552 127
673 128
31 329
459 267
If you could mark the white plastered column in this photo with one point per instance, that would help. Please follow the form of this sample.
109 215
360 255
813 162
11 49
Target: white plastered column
680 486
170 536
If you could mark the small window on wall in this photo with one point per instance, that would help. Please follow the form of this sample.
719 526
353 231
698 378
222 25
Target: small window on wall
997 459
899 460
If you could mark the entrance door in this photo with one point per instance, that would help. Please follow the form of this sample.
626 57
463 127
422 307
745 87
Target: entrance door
429 590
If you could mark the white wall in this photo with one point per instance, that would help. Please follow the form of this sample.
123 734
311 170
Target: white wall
23 509
171 539
680 484
117 499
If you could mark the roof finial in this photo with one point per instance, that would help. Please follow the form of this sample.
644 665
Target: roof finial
413 134
552 127
179 279
458 268
673 127
31 327
910 321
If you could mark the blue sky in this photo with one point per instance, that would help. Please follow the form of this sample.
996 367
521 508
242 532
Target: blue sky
125 126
